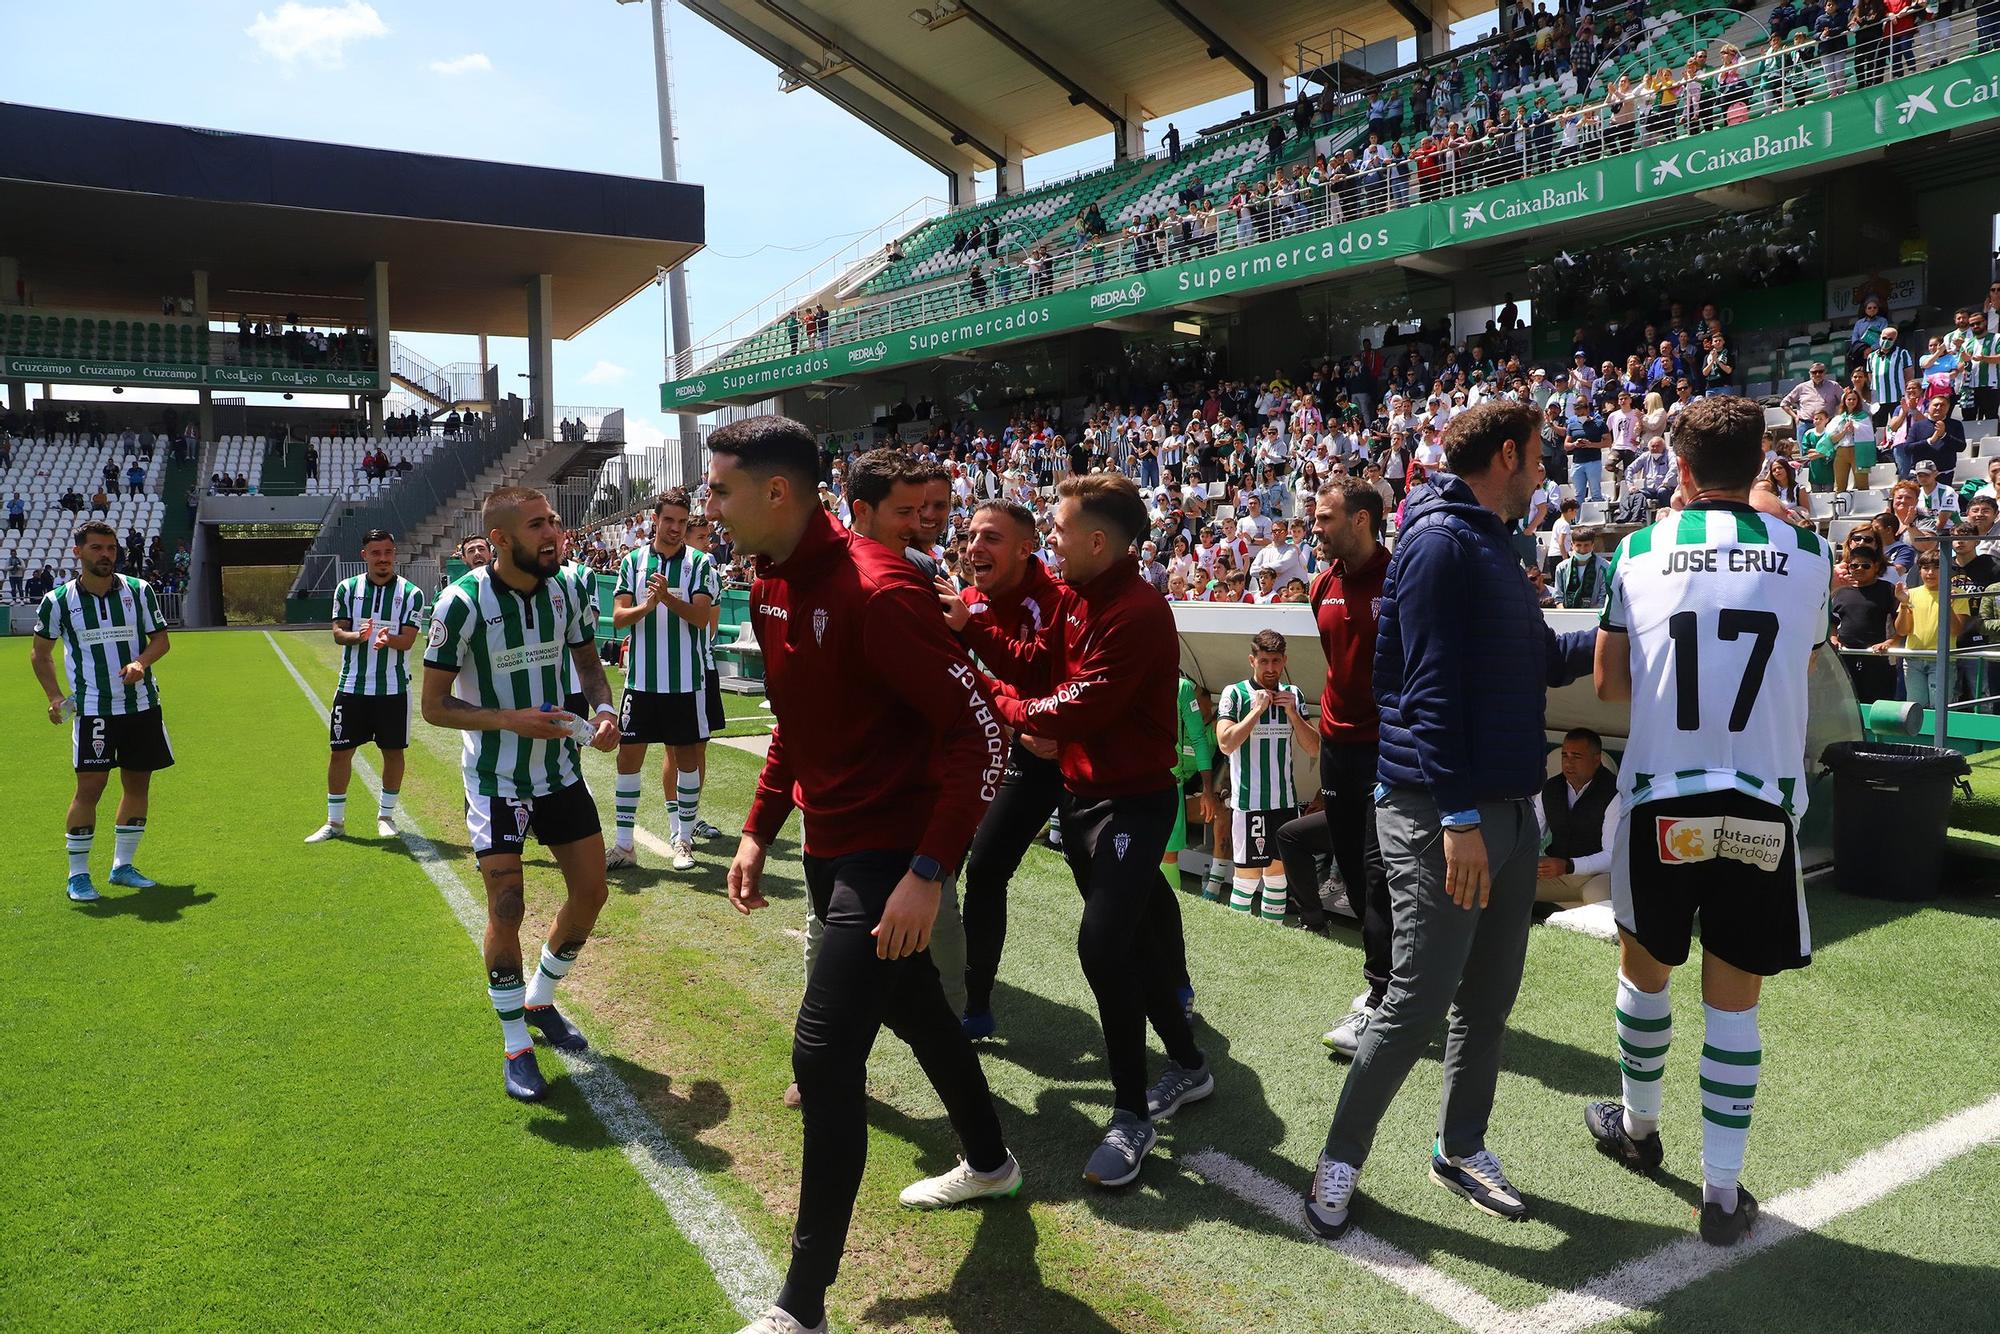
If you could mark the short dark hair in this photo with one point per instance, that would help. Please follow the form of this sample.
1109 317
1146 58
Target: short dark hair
504 499
1267 641
1356 494
1111 498
374 535
924 472
90 528
1584 734
872 476
677 496
770 444
1022 516
1473 439
472 537
1722 439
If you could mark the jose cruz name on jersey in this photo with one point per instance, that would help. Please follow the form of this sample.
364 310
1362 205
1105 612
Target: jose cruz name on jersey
1741 560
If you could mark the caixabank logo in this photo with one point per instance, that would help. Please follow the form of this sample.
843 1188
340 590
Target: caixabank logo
1473 216
1909 109
1732 155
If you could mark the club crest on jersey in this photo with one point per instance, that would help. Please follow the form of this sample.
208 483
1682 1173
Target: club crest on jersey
523 812
438 633
819 625
97 747
1119 845
1685 841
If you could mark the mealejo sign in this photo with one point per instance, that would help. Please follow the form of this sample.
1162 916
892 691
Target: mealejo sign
76 370
1942 99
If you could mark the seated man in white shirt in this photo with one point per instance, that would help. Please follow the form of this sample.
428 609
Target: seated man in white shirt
1252 523
1578 812
1281 556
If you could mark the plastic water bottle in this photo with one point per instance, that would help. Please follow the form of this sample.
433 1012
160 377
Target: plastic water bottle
581 730
66 707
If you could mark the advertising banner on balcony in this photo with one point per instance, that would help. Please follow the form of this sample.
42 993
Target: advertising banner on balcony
1962 93
275 379
1306 255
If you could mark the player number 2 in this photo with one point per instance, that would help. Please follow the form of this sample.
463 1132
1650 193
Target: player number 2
1731 623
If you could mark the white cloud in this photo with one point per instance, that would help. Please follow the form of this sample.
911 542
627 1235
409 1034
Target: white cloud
605 372
317 33
642 432
472 63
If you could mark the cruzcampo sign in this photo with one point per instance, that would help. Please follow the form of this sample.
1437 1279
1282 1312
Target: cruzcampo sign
1962 93
1309 254
86 370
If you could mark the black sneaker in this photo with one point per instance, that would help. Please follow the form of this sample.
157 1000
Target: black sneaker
1606 1123
1726 1229
1478 1179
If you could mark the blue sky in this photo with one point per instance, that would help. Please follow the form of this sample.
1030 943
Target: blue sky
563 83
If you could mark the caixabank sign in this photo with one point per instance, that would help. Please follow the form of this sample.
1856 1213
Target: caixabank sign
1963 93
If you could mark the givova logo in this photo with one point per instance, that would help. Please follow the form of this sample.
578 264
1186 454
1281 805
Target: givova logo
1129 295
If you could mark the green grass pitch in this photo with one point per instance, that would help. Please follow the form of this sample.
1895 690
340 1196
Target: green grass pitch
266 1094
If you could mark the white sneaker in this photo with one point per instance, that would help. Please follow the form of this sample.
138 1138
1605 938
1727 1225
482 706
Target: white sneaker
615 857
385 827
776 1321
1344 1038
683 854
1360 1003
960 1184
327 831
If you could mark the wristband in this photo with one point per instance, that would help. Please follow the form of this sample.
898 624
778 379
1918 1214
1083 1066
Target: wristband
1461 819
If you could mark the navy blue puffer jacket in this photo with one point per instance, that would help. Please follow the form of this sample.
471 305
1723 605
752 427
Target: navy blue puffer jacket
1463 657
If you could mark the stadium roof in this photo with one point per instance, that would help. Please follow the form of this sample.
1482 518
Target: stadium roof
954 80
101 212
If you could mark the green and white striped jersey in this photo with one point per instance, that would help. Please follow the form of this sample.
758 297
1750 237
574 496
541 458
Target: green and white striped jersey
582 583
668 654
364 669
1260 770
99 636
1983 375
508 649
1724 606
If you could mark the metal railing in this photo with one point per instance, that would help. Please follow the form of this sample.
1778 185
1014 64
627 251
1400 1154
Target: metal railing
425 489
425 573
460 382
1467 159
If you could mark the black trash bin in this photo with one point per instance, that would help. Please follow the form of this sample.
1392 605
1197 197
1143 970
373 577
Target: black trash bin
1891 807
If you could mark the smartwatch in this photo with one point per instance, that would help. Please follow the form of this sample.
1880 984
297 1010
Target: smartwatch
926 868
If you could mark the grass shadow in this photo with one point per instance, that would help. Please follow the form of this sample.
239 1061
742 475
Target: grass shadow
1837 915
681 1114
162 903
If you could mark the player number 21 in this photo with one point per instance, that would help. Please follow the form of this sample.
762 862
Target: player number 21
1731 623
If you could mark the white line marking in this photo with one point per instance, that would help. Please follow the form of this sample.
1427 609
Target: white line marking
1435 1289
1644 1281
740 1266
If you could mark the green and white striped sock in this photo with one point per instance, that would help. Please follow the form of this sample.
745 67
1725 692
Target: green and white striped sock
77 843
687 799
336 808
1274 898
125 842
625 800
1645 1022
1243 894
554 967
385 809
1732 1057
508 994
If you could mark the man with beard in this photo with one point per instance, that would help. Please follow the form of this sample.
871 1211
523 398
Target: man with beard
494 670
1001 618
858 664
1346 598
1109 702
112 633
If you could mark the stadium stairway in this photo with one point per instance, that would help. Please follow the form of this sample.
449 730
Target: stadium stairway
434 538
177 521
285 471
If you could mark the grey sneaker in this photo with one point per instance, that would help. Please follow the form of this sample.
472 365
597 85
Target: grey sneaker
1116 1161
1176 1088
1329 1205
1344 1038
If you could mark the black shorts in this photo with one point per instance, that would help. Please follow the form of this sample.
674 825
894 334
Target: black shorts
1725 856
1254 836
357 720
577 706
711 695
137 741
653 717
500 826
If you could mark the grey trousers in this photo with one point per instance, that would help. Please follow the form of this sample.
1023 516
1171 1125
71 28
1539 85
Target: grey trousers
947 946
1465 962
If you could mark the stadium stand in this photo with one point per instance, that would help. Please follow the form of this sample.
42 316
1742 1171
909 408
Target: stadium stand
42 472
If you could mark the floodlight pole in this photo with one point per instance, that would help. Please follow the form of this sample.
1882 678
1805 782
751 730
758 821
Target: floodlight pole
679 353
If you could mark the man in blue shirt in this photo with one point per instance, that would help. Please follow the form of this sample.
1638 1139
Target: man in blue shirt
1463 659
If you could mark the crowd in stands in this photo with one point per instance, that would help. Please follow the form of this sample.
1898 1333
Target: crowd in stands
298 346
1229 466
167 435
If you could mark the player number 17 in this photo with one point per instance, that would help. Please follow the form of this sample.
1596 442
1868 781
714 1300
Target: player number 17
1732 623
